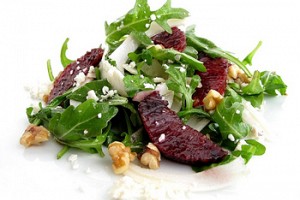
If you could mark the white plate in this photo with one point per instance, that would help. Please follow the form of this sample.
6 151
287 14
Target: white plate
33 31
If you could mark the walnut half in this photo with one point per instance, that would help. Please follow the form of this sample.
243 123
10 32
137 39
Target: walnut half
34 135
121 157
151 156
212 99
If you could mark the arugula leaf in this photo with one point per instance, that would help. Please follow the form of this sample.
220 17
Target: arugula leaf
226 160
208 47
137 21
272 83
176 56
81 122
63 58
228 115
167 12
178 83
252 148
136 83
81 93
255 86
191 51
198 111
248 59
49 68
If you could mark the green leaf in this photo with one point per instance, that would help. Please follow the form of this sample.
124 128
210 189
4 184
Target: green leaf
142 38
178 83
167 12
228 115
272 83
248 59
49 68
198 111
81 122
136 83
176 56
191 51
255 100
255 86
138 20
208 47
252 148
63 57
226 160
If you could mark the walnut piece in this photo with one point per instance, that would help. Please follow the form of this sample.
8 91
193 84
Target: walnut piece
212 99
237 75
34 135
121 157
151 156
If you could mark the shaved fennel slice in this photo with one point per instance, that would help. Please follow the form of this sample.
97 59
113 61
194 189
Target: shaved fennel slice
252 117
197 123
120 55
113 76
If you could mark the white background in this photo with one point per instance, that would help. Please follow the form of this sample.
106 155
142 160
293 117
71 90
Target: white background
33 31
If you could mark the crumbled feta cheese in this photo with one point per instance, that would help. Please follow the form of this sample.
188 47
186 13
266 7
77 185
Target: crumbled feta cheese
130 67
85 132
99 115
149 85
92 95
231 137
184 127
162 138
153 17
237 111
105 89
79 79
73 159
181 69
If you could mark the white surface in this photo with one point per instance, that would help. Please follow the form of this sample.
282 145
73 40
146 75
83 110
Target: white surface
33 31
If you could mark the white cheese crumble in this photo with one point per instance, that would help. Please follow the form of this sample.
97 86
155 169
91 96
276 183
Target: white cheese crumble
92 95
162 138
85 132
79 79
149 85
153 17
237 111
99 115
130 67
231 137
73 159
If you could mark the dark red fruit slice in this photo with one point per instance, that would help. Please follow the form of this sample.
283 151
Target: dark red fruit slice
176 40
214 78
65 80
175 140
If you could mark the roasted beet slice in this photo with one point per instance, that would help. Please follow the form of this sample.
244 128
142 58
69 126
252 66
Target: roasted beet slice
214 78
65 80
175 140
176 40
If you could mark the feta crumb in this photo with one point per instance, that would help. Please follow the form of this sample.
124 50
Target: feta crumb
105 89
237 111
142 76
156 123
147 25
99 115
73 159
85 132
162 138
92 95
79 79
231 137
184 127
149 85
153 17
71 72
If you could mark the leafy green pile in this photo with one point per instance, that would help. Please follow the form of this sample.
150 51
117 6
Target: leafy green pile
97 122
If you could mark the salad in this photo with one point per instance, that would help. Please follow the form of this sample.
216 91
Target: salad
153 74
